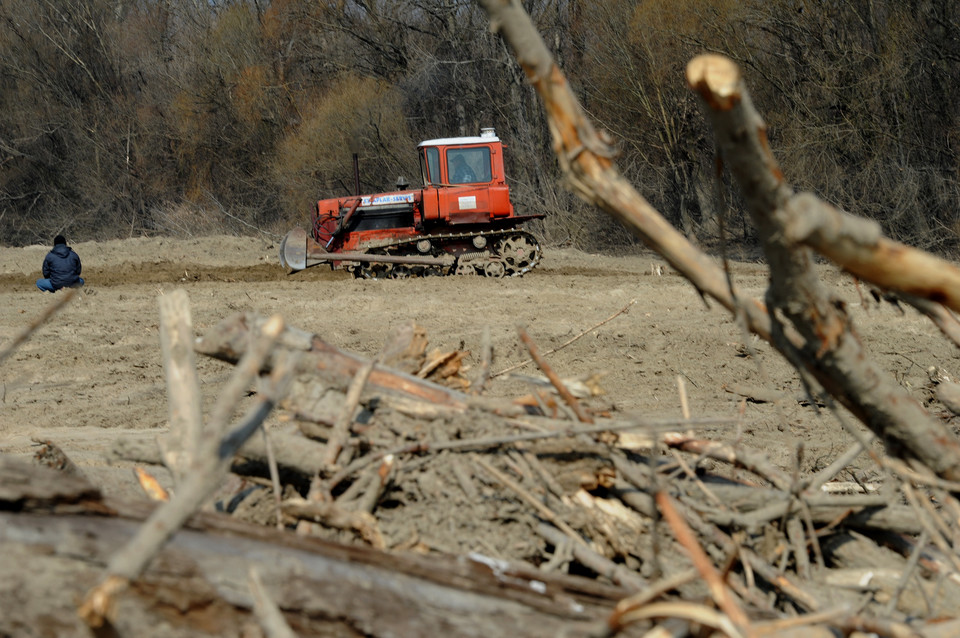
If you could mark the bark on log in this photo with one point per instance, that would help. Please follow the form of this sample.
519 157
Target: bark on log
294 454
858 246
198 584
230 340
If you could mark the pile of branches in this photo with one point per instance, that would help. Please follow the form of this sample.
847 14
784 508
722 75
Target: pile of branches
545 492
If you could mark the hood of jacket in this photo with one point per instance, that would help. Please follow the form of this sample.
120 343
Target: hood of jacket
61 250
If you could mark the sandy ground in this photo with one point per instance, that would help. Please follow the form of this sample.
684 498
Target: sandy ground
95 372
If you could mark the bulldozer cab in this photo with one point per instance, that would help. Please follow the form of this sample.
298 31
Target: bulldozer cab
460 161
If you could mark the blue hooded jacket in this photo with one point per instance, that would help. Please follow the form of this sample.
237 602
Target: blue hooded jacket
62 266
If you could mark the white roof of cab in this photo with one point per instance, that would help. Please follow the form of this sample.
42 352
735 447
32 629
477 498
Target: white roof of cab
487 137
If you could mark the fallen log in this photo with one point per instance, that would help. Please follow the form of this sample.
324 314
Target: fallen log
198 584
231 338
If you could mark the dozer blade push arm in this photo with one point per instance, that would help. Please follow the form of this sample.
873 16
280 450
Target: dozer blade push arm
299 251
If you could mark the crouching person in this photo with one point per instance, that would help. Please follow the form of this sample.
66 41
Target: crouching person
61 268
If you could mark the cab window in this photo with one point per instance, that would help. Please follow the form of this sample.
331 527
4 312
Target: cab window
468 165
430 160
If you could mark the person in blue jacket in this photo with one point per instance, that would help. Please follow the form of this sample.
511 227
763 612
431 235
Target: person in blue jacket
61 267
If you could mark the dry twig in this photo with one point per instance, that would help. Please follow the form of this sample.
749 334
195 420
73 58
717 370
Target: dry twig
568 341
568 398
59 302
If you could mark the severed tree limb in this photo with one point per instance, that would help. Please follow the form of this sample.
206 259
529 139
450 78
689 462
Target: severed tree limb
586 158
941 317
293 453
51 455
230 339
183 385
201 589
858 246
808 329
796 299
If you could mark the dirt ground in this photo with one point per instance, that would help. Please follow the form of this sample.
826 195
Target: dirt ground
94 373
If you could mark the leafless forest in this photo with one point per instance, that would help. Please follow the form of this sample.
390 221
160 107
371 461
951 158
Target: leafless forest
133 117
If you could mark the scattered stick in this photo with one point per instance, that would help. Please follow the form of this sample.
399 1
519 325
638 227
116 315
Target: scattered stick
909 571
274 476
684 402
929 519
569 341
332 515
589 558
839 464
524 495
750 460
385 473
183 384
568 398
59 302
486 359
341 427
655 590
548 479
665 426
691 612
270 617
718 588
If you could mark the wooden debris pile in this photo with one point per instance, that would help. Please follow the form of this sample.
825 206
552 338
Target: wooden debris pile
549 486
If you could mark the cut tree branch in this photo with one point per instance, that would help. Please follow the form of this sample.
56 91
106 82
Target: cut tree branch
802 322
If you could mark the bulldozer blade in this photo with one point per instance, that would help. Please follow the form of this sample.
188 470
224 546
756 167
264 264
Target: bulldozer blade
293 250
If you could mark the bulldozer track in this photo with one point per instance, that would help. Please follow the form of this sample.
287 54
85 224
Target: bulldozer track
519 253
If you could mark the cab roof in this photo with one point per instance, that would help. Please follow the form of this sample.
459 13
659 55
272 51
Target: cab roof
486 136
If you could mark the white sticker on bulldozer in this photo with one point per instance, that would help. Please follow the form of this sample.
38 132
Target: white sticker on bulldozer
468 203
396 198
